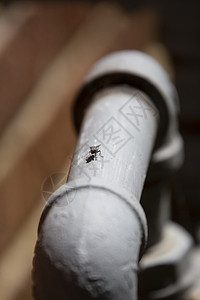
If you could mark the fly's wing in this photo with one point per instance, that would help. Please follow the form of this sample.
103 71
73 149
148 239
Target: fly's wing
89 158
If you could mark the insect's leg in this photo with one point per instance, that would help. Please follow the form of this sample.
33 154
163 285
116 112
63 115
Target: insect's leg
100 153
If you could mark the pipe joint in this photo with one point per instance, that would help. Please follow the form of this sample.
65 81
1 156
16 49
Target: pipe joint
140 71
93 229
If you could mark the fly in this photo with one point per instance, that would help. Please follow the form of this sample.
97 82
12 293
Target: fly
94 151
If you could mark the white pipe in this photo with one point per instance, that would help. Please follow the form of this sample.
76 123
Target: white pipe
93 228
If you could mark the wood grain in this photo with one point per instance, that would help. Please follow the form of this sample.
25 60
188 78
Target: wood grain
16 261
30 36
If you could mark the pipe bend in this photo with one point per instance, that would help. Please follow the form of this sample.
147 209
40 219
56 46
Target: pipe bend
89 239
88 248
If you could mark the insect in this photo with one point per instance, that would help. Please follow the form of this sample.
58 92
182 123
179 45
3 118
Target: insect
94 150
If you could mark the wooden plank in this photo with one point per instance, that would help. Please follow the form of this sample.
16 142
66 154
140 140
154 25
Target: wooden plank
141 30
30 36
40 138
160 53
16 261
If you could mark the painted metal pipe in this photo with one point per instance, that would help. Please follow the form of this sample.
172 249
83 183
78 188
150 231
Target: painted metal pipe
93 228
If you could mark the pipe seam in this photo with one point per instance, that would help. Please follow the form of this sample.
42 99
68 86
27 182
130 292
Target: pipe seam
122 194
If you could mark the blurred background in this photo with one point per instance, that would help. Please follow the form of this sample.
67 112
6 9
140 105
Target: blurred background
46 48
